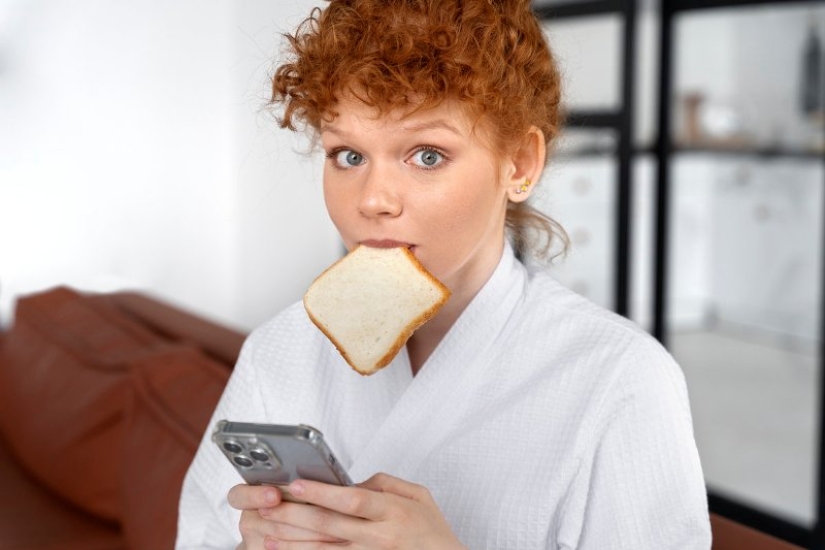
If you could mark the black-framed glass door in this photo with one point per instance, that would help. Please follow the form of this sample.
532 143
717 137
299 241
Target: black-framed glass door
739 252
726 224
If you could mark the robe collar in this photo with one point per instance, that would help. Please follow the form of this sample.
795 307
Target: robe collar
441 389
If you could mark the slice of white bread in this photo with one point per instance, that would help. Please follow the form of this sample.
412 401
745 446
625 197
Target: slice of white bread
371 301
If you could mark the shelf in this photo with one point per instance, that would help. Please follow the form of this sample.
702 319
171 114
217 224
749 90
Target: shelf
566 10
593 119
674 6
570 9
758 153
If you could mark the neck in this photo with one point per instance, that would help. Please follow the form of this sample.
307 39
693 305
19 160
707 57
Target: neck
424 341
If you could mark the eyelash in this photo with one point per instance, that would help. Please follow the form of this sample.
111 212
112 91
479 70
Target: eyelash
332 154
444 157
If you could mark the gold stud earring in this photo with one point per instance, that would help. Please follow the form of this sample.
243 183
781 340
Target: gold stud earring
523 188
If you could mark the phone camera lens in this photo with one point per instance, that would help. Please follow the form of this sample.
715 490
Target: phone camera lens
232 447
259 455
243 462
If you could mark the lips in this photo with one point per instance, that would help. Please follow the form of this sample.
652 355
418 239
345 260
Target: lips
385 243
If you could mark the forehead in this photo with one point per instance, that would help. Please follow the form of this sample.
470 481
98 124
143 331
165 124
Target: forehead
352 114
448 114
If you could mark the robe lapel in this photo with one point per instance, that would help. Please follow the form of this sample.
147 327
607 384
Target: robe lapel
441 394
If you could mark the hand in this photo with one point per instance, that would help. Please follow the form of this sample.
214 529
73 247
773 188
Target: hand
383 512
255 502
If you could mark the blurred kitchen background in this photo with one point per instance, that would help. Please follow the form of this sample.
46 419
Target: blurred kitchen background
135 152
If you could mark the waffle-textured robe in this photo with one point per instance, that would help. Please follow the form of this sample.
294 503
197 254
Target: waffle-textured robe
540 421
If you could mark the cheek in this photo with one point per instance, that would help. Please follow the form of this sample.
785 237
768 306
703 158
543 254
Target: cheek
336 203
461 215
335 195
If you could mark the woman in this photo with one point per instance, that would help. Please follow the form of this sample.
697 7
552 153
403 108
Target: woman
521 416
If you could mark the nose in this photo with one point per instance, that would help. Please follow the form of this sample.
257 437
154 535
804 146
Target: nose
380 196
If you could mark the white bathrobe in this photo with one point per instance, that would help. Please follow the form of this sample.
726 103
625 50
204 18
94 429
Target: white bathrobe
540 421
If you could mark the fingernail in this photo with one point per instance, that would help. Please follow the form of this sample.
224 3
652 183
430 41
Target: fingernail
296 488
271 496
270 544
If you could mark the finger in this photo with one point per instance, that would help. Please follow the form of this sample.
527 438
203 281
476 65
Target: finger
302 545
385 483
319 518
253 529
296 534
256 528
356 502
285 532
252 497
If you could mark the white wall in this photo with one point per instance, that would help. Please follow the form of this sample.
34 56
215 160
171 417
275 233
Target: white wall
285 237
133 155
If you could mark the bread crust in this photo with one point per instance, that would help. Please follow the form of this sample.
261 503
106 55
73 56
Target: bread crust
402 337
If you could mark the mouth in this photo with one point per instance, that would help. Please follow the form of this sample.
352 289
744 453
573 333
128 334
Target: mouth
386 243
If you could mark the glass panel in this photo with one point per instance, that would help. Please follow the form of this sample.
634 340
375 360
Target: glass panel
742 76
745 258
580 194
590 54
578 187
591 69
743 321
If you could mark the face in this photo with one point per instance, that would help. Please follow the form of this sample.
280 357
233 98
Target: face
425 181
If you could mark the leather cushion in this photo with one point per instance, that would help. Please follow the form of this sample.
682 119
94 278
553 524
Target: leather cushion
64 369
730 535
173 396
32 518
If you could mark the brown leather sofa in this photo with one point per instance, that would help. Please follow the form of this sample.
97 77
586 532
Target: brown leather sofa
729 535
103 400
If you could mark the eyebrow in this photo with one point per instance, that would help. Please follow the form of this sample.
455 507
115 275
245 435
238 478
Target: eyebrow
438 124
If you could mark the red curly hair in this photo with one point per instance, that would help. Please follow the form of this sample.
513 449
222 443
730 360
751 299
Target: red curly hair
398 54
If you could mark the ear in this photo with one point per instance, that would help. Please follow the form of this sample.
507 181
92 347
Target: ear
524 169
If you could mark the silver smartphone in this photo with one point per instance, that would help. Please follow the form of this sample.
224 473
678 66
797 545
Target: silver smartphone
275 454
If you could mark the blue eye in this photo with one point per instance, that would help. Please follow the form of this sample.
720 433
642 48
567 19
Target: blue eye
347 158
427 158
